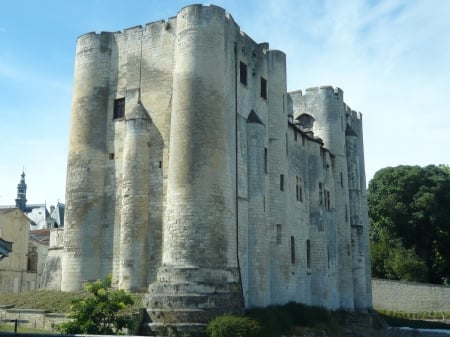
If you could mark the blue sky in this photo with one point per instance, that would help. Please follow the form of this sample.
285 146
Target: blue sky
391 58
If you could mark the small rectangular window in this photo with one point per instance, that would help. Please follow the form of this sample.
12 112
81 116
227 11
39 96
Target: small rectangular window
243 73
281 182
342 180
119 108
111 156
263 88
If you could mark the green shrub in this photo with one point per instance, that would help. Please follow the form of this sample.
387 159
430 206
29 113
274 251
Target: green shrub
278 320
233 326
102 313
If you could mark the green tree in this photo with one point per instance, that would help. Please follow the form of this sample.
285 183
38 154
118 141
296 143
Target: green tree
101 313
409 209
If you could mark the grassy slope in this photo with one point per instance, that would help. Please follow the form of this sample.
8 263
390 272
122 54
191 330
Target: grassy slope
51 300
276 319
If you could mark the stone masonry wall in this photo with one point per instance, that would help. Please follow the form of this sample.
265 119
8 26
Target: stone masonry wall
410 297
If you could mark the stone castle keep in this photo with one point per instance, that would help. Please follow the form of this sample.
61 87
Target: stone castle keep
195 176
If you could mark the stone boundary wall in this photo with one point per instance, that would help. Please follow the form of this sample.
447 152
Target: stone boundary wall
33 318
410 297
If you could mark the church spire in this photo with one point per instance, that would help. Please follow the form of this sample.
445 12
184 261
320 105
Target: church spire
21 200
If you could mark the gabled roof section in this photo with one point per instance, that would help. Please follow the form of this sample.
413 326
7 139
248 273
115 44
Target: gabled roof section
253 118
139 112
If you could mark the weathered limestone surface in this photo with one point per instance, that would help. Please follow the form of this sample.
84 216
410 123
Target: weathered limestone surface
228 192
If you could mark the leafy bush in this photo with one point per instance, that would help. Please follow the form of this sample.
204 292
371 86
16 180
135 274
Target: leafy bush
233 326
278 320
102 313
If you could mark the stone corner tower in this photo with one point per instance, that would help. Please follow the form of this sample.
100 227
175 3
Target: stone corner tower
199 276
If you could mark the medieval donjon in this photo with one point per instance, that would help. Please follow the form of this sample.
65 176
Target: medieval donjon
194 173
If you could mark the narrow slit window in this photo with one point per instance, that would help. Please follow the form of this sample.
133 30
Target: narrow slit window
292 250
281 182
263 88
111 156
299 190
119 108
243 73
265 160
327 200
308 254
320 194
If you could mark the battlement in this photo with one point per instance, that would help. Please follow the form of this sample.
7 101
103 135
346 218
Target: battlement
353 114
326 90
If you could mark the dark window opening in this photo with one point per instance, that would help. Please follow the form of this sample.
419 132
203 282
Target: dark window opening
327 200
160 164
295 135
111 156
119 108
292 250
308 254
32 260
342 180
299 190
281 182
264 88
265 160
243 73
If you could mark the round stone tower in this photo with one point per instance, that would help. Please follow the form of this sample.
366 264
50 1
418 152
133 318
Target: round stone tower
86 162
135 201
199 277
329 114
